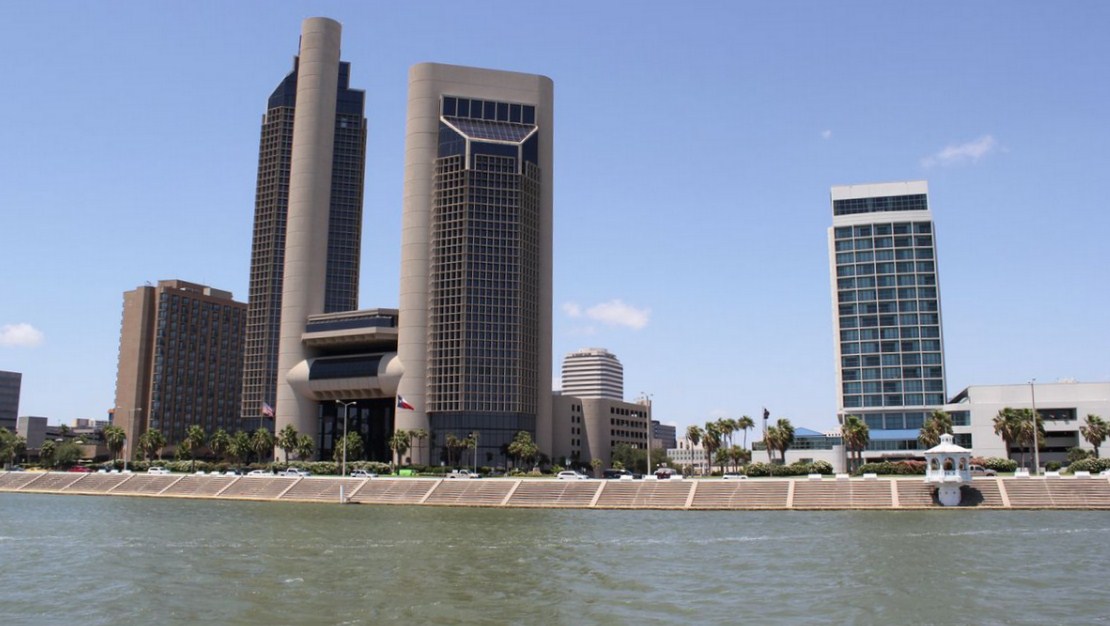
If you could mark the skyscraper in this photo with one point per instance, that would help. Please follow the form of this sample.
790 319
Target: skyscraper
10 383
180 358
343 232
886 309
593 373
474 331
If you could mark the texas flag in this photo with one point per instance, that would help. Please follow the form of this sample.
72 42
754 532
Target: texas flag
401 404
267 410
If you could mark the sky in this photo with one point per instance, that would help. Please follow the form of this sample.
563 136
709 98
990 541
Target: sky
695 145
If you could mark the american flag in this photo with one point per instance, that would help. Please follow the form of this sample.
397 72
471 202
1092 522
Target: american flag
267 410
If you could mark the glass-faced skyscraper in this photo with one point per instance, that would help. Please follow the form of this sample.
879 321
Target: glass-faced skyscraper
886 309
475 315
271 209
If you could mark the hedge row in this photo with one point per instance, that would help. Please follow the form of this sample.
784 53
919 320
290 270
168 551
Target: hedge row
795 469
1090 465
901 468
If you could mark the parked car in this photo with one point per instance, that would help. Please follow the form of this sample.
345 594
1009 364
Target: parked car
570 475
293 471
979 470
735 476
617 474
258 472
81 469
462 473
158 470
361 473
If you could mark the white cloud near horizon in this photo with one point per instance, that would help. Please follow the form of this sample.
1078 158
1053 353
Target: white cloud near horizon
612 313
955 154
20 336
826 134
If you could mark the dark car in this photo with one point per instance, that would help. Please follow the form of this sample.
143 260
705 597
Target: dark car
616 474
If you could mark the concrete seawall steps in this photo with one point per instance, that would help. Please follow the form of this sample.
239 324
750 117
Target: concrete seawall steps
753 494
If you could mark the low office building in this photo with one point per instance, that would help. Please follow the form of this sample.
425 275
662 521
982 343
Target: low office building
590 428
689 457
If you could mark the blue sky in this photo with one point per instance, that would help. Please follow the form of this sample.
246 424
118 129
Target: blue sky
695 144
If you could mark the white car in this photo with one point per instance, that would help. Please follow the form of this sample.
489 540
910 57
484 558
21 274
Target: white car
463 474
258 472
292 471
570 475
158 470
361 473
735 477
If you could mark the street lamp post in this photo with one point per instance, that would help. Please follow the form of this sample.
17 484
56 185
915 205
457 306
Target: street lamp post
1036 447
647 416
346 407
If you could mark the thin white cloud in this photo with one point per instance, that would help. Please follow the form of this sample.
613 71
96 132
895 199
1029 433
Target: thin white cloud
617 313
20 336
957 154
826 134
572 309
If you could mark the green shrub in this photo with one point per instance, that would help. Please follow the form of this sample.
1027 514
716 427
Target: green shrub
996 463
1090 465
1078 454
756 470
1052 466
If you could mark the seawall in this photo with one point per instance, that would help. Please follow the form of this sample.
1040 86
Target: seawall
690 494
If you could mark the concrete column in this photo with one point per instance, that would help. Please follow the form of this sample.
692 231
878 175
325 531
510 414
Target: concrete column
306 231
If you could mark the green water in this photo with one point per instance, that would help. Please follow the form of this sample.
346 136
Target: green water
105 560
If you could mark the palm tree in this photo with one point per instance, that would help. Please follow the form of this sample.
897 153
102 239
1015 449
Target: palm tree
1026 422
419 435
939 423
146 447
353 443
782 435
194 440
694 434
856 435
306 445
523 447
262 444
240 447
711 441
727 427
219 443
157 442
287 440
745 424
115 437
399 443
1095 431
1007 426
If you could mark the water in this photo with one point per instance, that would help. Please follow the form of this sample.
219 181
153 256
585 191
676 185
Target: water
104 560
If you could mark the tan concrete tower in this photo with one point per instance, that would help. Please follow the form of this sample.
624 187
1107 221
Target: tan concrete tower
476 258
306 235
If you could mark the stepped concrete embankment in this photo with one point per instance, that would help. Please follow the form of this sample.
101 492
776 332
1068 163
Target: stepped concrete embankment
904 493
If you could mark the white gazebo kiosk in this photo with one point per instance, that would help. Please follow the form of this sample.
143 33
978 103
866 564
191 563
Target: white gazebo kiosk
948 466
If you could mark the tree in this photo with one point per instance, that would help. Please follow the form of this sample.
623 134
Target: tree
711 441
1006 427
1095 431
220 443
1027 422
596 465
67 454
781 437
306 446
739 456
399 444
523 448
856 436
193 442
115 437
939 423
419 435
11 446
240 447
745 424
353 445
287 440
262 444
46 453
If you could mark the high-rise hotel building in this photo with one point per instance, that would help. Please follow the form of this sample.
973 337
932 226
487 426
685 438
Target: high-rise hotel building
889 342
474 332
344 227
180 358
